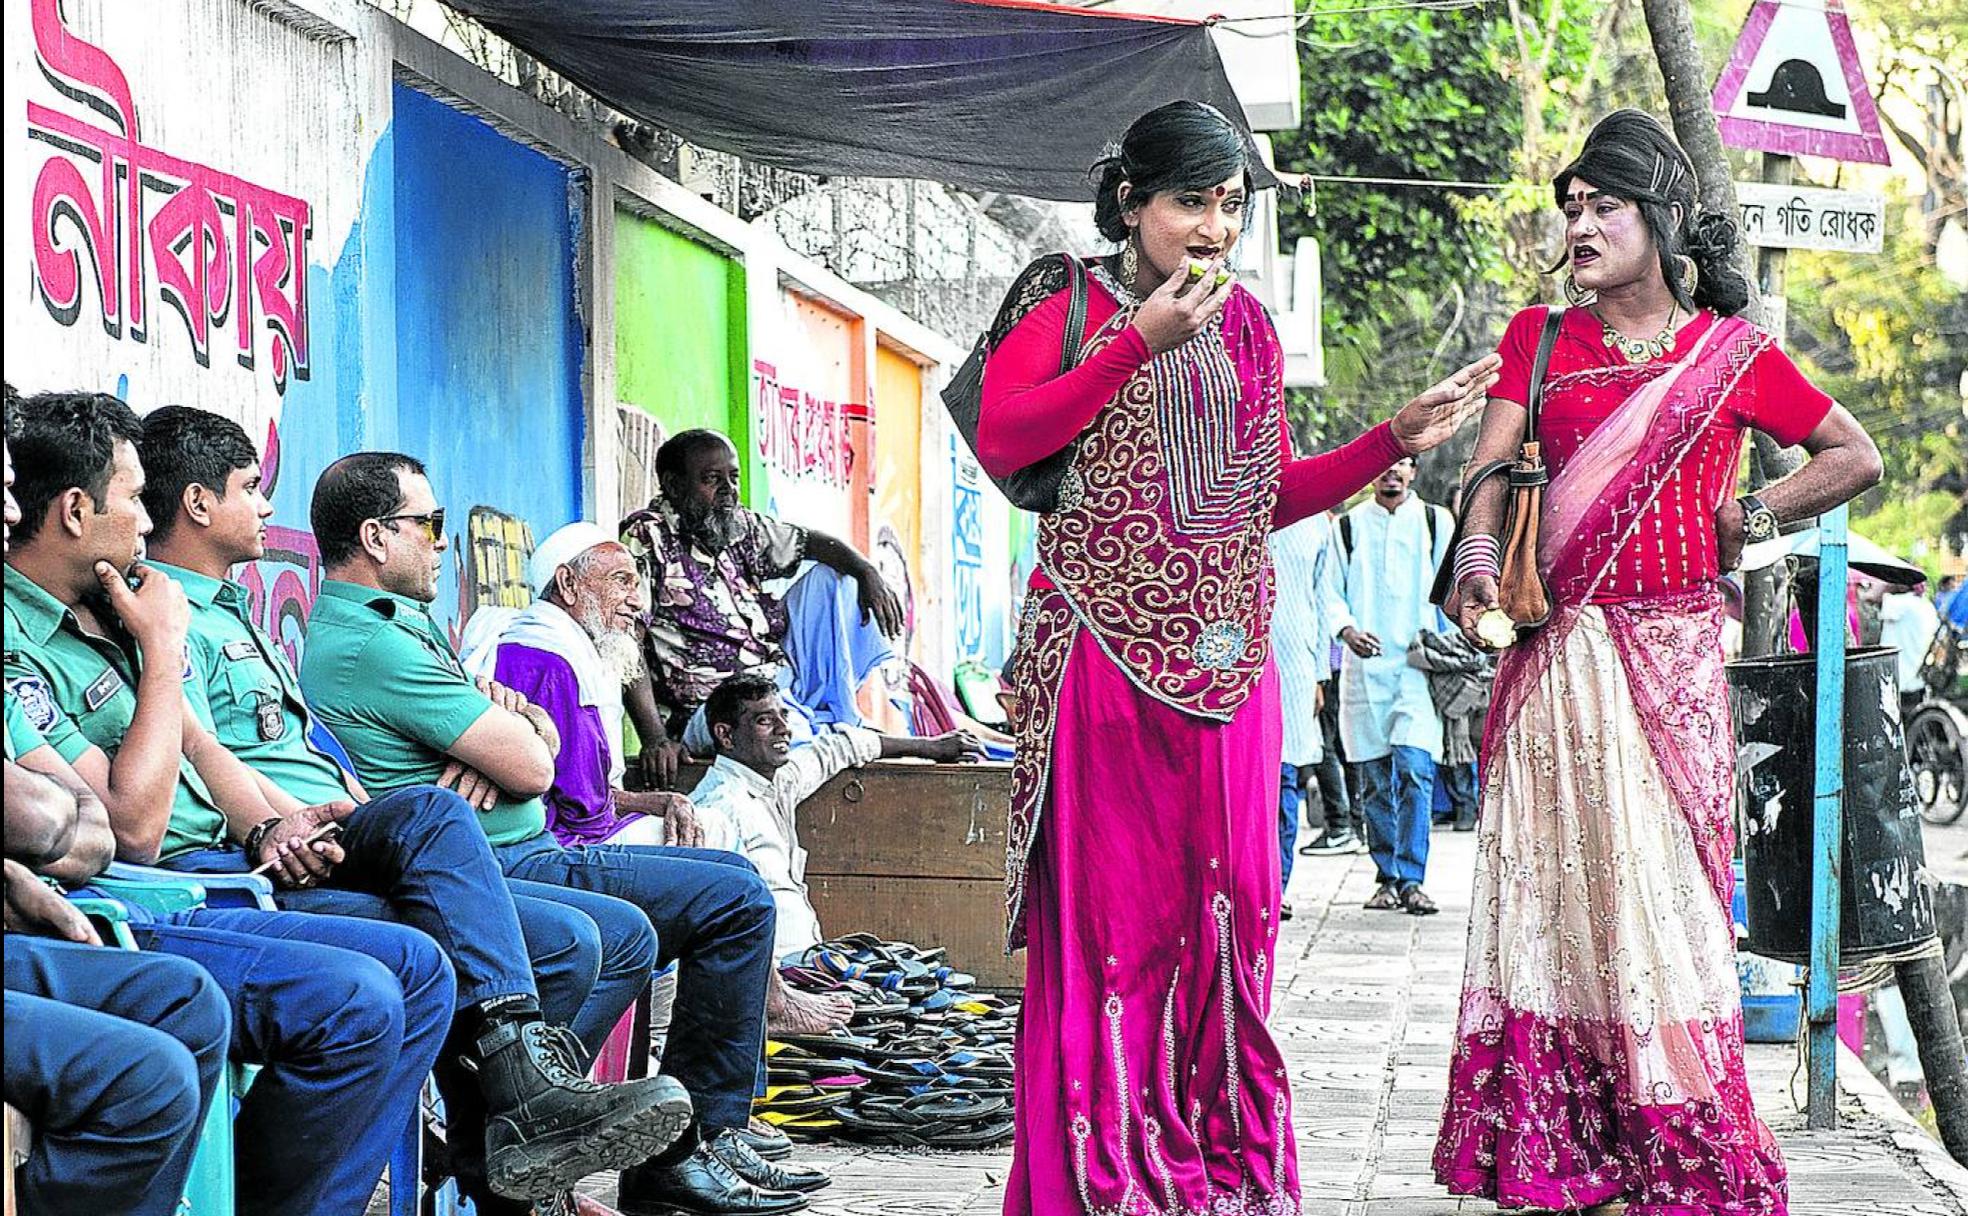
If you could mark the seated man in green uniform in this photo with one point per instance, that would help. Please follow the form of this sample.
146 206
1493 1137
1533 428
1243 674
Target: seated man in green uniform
415 854
382 675
344 1016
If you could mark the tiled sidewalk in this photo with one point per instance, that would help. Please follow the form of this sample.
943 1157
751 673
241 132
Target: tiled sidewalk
1366 1009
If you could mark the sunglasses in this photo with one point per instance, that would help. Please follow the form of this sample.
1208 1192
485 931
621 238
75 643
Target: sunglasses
432 523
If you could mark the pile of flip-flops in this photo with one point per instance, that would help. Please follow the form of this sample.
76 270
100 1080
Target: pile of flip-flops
925 1062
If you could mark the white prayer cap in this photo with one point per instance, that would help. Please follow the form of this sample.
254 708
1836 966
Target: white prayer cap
562 547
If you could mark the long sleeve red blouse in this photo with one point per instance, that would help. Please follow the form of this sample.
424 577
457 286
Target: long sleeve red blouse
1030 411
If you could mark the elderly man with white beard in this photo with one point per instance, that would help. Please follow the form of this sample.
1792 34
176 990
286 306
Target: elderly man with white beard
570 653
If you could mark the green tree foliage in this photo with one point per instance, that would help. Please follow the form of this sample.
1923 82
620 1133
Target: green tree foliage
1419 279
1888 337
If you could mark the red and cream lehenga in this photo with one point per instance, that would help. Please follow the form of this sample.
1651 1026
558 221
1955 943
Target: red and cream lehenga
1599 1050
1142 871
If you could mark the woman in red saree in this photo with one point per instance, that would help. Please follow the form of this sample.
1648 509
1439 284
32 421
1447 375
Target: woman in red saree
1143 860
1598 1061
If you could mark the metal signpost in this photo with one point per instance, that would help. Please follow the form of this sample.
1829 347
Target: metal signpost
1793 87
1827 821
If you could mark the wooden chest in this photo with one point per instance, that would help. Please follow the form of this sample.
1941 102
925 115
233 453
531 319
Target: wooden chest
913 852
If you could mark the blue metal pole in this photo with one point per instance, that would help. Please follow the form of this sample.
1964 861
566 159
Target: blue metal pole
1827 821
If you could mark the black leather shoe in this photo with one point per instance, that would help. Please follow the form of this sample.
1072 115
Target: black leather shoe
768 1143
729 1147
699 1185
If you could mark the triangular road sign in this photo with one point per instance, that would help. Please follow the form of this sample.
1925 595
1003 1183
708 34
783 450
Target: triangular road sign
1794 86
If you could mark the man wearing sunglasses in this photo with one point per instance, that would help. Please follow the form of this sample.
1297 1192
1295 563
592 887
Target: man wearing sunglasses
383 677
567 962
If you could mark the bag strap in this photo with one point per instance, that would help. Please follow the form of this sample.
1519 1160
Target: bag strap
1553 317
1076 314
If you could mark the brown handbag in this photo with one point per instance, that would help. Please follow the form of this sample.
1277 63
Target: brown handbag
1522 593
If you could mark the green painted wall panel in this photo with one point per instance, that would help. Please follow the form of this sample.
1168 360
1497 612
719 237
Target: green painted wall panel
680 342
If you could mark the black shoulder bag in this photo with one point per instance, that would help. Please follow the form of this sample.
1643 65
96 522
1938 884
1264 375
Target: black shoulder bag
1036 486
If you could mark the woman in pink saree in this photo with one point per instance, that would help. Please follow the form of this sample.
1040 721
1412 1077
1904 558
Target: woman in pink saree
1143 860
1599 1062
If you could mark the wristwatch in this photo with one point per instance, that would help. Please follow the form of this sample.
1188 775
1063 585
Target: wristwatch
1759 521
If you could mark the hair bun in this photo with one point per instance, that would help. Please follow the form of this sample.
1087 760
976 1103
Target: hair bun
1713 236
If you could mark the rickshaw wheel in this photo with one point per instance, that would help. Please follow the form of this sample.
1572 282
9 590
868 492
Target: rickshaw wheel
1938 751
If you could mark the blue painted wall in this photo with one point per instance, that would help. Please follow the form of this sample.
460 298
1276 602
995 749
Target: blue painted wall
489 345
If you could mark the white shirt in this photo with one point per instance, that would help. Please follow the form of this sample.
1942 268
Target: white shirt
1907 621
1383 702
1308 584
758 817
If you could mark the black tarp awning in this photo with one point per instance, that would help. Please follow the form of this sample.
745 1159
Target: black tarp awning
989 94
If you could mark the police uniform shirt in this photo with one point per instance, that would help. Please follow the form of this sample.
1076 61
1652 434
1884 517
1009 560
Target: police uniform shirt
382 676
244 685
79 690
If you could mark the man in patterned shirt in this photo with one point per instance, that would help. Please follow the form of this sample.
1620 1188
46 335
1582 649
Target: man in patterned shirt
706 561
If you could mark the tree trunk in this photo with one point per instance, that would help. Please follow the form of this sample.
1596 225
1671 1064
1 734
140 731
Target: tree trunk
1671 26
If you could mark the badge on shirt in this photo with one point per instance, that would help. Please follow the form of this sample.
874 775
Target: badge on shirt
266 713
107 685
240 650
36 700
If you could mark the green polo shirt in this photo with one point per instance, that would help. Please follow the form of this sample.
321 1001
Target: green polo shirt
382 676
79 690
244 685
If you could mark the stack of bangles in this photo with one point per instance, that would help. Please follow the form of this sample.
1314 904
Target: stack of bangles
1478 554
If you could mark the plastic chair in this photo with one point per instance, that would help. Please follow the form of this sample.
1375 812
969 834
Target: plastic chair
209 1189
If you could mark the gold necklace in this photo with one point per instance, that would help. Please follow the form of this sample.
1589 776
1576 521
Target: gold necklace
1639 350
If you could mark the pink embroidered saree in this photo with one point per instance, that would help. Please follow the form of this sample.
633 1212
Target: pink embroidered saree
1145 802
1599 1047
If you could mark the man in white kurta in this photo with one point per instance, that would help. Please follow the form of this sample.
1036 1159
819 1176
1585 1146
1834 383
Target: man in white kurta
1391 546
1308 582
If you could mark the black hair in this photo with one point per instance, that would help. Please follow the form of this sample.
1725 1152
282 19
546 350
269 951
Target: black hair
1184 145
729 699
1630 156
182 447
63 442
674 456
350 493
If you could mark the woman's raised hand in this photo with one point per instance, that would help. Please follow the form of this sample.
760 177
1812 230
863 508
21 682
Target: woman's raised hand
1431 418
1184 304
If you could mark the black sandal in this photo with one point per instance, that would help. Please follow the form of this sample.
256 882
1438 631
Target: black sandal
1417 903
1386 899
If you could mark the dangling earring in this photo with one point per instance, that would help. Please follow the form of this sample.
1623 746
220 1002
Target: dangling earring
1576 296
1130 262
1690 275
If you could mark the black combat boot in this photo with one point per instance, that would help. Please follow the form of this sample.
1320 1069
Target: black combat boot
547 1126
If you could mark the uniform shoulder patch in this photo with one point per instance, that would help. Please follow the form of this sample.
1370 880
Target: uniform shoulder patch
37 700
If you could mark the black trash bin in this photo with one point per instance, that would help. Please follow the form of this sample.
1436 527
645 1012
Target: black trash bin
1886 906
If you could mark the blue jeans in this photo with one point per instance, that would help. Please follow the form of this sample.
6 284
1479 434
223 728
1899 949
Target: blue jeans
1458 781
345 1017
714 918
1290 799
418 856
421 851
1396 792
114 1056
